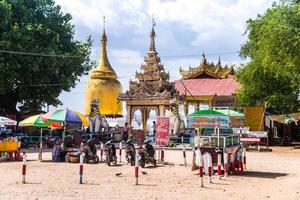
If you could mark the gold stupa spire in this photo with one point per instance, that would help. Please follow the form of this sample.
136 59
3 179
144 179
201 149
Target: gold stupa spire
104 85
104 69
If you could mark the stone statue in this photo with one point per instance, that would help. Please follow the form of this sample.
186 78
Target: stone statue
100 123
176 124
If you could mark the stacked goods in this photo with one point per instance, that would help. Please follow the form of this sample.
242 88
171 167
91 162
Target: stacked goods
9 146
74 159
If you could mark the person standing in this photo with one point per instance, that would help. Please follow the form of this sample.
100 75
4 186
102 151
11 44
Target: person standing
125 132
154 128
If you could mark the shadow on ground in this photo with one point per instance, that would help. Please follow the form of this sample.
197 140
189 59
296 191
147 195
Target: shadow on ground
256 174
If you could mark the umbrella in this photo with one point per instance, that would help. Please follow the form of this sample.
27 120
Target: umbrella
66 116
36 121
4 121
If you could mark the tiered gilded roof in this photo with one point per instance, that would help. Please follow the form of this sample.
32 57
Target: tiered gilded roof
210 69
208 79
152 82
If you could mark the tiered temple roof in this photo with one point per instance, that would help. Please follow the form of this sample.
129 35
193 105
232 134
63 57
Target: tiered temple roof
207 79
207 70
152 82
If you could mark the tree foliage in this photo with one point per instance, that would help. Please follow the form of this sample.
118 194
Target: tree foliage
38 26
273 74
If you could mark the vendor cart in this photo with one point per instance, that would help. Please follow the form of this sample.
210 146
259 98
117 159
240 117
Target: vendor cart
10 148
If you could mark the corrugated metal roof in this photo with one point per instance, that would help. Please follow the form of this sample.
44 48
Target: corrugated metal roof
207 86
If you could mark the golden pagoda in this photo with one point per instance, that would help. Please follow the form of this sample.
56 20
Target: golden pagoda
104 86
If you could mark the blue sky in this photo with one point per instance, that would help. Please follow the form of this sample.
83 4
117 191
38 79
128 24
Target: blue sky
185 28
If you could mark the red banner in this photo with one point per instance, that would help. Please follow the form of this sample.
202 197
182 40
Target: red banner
162 131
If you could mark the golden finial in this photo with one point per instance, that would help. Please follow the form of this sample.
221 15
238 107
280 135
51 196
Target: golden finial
104 23
153 21
104 69
219 61
204 61
152 36
104 38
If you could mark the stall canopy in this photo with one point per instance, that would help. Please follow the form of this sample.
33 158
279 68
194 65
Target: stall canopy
231 113
207 118
237 119
286 119
206 112
4 121
216 117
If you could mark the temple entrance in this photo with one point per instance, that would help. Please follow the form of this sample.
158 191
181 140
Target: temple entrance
152 117
142 117
136 122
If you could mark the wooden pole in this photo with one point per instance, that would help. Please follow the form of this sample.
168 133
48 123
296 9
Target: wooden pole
41 144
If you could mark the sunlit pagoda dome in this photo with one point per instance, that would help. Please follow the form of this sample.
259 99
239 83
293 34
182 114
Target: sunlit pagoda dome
104 86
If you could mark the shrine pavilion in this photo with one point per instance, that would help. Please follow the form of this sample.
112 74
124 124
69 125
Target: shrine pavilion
151 90
208 84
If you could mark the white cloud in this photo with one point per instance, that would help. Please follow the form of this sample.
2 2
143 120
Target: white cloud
126 56
209 19
89 13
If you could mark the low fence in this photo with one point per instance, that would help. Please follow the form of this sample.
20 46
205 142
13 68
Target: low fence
174 140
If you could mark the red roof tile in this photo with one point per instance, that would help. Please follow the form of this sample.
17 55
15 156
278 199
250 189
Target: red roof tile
207 87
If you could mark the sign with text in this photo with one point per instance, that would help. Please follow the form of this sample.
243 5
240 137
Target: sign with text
162 131
240 130
207 121
244 139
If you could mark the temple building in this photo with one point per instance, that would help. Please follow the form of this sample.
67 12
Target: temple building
151 90
208 84
104 86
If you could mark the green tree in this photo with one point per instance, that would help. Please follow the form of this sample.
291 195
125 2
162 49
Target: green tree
273 74
32 81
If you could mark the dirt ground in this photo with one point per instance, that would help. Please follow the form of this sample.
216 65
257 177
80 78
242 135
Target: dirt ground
270 175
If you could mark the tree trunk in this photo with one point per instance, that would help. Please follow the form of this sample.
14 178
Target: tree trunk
8 103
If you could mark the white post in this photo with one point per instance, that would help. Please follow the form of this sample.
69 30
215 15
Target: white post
136 169
200 169
225 164
218 132
219 165
209 161
24 168
81 168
